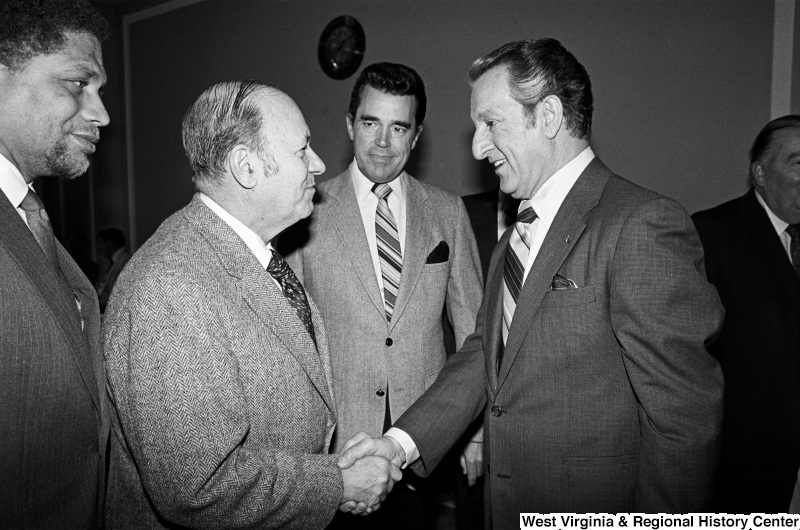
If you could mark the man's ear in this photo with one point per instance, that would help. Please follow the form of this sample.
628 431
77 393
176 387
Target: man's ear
416 137
552 115
757 169
349 119
242 165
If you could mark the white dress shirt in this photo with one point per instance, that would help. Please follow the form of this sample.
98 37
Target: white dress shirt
262 251
13 185
546 203
779 225
368 204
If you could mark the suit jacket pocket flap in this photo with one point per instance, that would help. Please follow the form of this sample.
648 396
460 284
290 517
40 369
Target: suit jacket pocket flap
567 297
616 460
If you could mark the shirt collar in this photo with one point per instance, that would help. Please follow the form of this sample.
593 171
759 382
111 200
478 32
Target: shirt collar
261 250
777 223
547 200
11 182
363 185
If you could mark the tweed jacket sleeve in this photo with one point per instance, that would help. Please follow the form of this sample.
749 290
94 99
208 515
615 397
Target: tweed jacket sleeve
217 414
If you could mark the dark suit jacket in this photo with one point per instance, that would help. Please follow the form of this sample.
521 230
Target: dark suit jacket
607 399
482 212
759 351
53 418
224 406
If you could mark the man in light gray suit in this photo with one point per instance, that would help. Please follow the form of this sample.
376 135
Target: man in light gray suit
54 419
384 255
218 363
589 351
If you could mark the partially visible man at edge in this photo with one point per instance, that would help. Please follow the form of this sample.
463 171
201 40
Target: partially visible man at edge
54 416
752 251
589 348
218 362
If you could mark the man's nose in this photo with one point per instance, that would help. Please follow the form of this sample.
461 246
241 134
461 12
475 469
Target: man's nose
95 112
316 166
481 144
384 137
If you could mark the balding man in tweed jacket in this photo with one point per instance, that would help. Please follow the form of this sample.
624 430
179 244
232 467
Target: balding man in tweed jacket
218 364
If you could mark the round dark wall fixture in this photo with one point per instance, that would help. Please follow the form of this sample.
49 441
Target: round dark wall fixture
341 47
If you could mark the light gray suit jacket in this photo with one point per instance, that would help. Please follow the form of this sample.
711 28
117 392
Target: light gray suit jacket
366 350
607 400
224 407
54 420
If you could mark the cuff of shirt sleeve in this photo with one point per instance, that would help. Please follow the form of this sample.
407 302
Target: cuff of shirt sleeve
406 443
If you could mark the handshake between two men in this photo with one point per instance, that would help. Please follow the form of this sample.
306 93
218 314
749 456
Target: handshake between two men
370 467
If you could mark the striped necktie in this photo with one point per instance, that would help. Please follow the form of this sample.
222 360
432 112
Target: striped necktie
389 254
519 247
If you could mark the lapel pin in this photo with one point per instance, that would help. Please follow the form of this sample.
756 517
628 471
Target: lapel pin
566 240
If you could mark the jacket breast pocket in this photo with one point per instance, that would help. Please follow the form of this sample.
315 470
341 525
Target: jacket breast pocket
568 297
434 268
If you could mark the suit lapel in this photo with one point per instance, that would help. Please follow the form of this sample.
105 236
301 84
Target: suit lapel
90 314
273 309
769 247
493 323
18 240
566 229
324 352
261 294
346 219
417 244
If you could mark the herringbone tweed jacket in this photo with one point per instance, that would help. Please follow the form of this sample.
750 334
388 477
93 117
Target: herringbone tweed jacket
224 410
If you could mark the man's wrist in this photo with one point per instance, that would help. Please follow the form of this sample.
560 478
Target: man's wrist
410 453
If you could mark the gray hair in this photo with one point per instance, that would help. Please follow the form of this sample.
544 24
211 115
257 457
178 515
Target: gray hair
225 115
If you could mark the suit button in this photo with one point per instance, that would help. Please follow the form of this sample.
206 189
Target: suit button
497 411
389 342
380 393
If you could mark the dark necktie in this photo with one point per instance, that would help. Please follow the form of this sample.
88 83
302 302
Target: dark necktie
794 248
292 290
519 247
389 254
39 224
510 213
